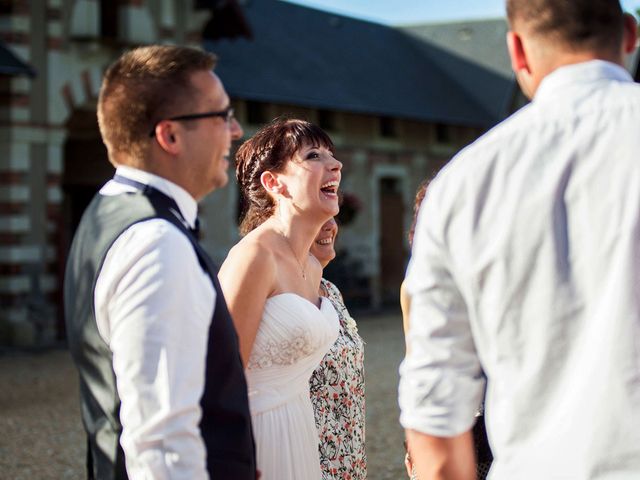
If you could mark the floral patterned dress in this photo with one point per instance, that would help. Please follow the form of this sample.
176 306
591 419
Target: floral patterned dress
337 395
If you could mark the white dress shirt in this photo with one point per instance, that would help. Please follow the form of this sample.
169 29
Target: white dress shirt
526 265
154 304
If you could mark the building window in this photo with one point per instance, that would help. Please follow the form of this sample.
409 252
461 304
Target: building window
256 113
443 133
387 127
327 120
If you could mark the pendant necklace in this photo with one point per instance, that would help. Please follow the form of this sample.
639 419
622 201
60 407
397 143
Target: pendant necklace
304 275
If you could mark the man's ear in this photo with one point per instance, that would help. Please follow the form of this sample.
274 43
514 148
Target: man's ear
271 183
167 138
630 41
521 63
517 52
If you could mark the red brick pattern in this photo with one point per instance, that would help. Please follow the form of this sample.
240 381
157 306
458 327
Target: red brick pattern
17 38
22 7
11 238
54 179
12 178
53 13
67 95
193 37
55 43
10 269
8 99
12 208
86 84
166 32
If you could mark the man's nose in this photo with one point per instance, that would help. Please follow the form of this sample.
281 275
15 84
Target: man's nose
236 130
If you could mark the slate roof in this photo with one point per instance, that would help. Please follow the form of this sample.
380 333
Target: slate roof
10 64
457 73
303 56
475 54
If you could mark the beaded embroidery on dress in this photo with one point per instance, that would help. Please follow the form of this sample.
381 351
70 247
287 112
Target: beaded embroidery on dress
292 338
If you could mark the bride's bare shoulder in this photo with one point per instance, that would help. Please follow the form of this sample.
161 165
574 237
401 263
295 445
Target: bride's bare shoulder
256 246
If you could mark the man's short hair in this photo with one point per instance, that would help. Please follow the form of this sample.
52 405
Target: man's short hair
142 87
577 24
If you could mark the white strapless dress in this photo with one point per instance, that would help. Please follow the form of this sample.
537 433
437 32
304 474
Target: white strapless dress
293 337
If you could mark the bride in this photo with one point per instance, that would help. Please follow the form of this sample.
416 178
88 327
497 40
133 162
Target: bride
289 179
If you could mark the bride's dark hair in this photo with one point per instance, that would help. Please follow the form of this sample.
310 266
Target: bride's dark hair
269 150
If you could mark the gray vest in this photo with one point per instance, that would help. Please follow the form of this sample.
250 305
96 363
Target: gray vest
226 423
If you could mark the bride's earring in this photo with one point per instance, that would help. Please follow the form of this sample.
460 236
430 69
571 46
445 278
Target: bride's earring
280 212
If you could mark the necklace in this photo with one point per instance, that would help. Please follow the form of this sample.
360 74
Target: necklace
304 275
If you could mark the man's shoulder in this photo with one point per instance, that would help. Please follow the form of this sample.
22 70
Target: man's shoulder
124 205
130 220
154 232
119 212
490 147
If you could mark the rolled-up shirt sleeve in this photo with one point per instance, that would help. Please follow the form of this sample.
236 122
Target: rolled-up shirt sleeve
154 305
441 383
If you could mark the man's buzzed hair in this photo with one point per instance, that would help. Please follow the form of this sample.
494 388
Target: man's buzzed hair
142 87
577 24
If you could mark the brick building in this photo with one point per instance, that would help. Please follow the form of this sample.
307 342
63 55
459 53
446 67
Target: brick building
398 103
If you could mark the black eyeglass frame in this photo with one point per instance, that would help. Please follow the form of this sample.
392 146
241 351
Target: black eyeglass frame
227 114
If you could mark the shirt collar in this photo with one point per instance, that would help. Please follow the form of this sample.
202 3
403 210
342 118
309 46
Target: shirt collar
186 203
580 73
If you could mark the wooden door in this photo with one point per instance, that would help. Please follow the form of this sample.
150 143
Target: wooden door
392 251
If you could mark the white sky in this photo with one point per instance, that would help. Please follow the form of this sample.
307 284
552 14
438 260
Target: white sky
396 12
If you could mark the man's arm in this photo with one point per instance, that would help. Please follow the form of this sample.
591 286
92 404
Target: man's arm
441 458
154 305
441 382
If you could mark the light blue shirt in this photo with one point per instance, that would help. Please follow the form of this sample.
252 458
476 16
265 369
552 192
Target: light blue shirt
526 265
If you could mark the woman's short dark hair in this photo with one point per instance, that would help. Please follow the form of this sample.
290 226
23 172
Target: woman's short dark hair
269 150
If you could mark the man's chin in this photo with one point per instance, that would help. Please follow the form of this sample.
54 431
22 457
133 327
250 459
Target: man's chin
221 180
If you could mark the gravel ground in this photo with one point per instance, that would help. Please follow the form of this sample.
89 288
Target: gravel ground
384 350
42 437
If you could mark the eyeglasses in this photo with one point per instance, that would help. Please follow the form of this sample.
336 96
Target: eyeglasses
227 114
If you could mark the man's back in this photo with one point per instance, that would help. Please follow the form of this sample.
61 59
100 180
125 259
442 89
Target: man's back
538 226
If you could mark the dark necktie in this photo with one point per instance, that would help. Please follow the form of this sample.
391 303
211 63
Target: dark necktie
196 229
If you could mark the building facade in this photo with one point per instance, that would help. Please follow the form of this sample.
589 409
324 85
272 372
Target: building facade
394 111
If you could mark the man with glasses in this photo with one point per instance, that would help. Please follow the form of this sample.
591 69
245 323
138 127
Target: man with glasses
163 391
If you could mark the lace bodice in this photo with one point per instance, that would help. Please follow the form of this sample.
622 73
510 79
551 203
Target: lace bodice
281 351
292 338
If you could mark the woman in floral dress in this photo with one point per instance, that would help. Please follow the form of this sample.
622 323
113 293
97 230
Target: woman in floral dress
337 385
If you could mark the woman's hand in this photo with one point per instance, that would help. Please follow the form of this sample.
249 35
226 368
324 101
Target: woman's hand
408 464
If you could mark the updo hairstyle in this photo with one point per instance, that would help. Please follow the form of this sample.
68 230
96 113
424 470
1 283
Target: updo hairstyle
269 150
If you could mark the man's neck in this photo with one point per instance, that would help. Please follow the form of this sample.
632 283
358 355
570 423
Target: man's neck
160 168
551 62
